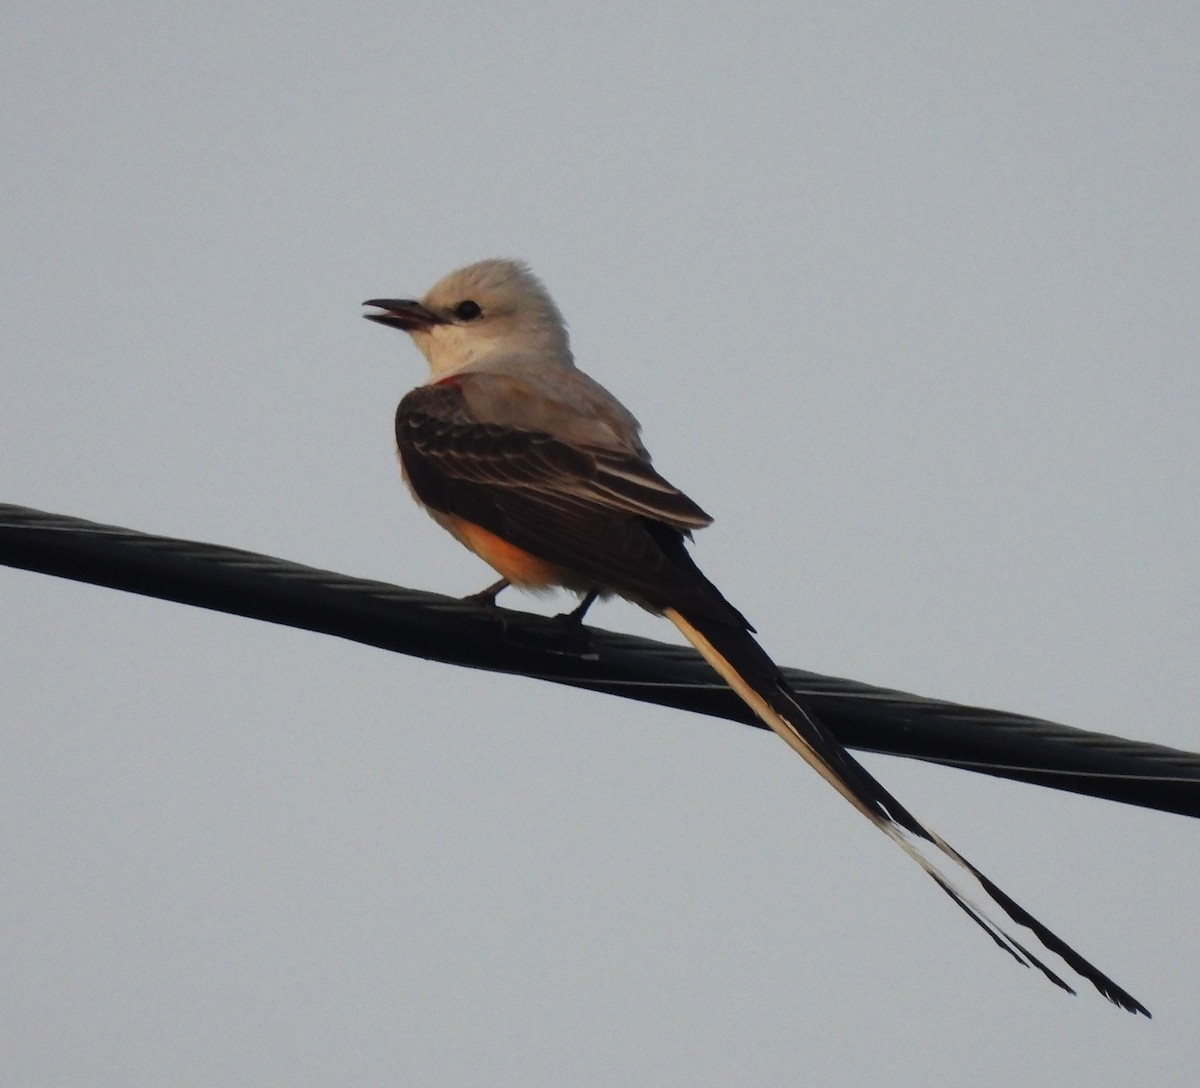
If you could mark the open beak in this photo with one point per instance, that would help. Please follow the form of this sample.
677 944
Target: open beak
403 313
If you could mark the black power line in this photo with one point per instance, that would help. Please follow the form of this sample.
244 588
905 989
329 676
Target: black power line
500 640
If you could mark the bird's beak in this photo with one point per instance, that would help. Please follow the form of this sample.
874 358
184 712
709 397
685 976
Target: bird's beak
403 313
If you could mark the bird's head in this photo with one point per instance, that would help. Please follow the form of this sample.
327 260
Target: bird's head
489 309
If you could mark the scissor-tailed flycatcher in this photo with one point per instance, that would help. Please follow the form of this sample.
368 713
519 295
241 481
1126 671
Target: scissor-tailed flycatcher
541 472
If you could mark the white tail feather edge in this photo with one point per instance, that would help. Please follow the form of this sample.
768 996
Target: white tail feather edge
910 844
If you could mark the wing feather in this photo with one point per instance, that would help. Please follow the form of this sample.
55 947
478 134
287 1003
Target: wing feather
604 514
434 426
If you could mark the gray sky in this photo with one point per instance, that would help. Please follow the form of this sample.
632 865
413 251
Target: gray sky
905 295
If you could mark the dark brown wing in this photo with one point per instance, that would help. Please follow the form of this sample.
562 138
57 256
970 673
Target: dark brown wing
603 514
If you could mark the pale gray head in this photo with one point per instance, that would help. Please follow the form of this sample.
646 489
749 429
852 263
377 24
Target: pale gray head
490 309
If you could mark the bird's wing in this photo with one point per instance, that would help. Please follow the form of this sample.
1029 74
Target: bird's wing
435 425
605 514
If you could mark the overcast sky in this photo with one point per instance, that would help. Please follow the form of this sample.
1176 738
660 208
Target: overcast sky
905 295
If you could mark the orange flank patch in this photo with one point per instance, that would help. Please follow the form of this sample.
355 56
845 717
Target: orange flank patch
509 561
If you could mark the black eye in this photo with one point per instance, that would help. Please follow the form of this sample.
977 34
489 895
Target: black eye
467 311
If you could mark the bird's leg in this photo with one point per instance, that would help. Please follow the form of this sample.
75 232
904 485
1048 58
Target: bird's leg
486 599
575 616
575 637
488 596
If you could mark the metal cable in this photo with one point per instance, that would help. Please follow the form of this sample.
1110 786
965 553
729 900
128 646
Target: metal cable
501 640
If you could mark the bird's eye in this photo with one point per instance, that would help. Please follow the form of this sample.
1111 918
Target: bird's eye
467 311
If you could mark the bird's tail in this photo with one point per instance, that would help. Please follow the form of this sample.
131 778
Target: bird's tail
741 662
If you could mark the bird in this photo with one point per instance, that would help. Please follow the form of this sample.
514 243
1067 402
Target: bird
542 472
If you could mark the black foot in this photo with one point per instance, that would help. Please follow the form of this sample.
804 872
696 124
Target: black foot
575 616
488 596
